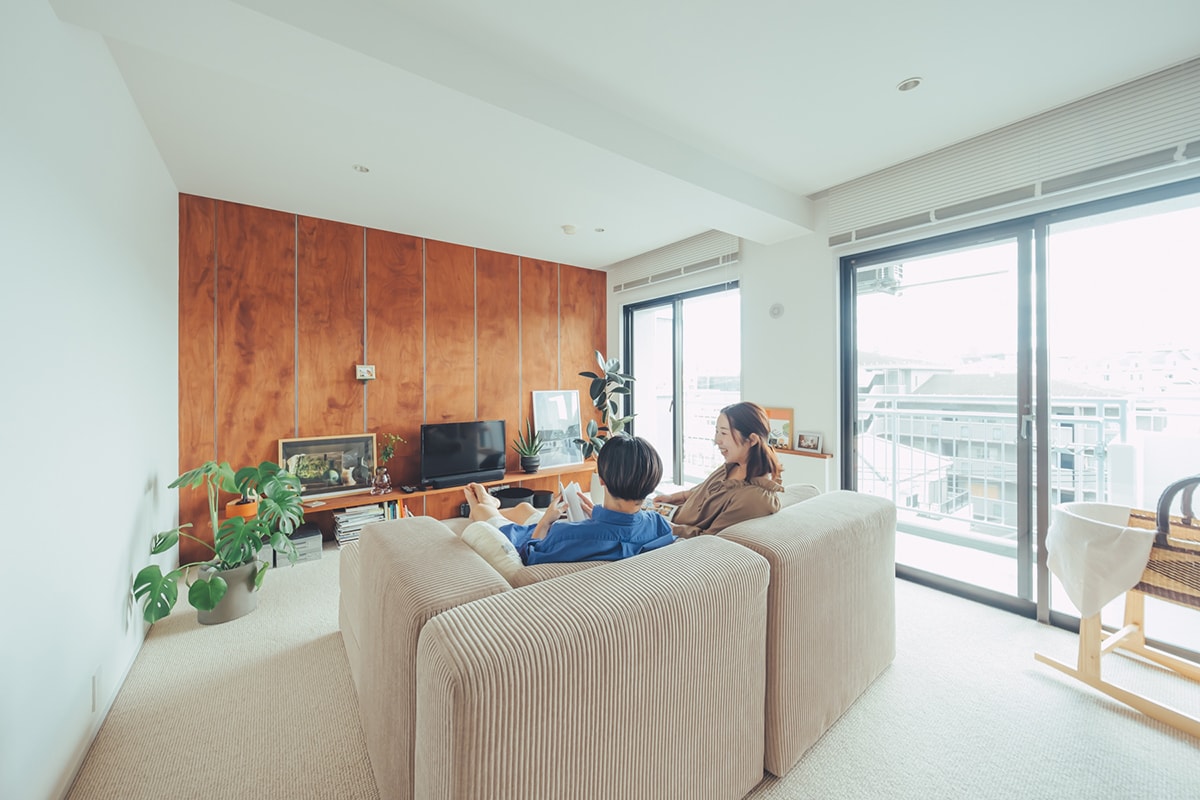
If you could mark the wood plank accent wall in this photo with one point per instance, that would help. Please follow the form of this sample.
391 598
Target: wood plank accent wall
498 281
329 327
275 309
197 350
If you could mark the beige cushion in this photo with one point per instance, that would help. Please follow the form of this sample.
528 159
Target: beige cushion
797 493
494 548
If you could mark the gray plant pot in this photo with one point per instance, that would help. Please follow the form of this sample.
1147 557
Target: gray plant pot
239 600
531 463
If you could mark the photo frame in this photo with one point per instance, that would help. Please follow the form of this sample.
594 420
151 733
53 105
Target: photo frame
556 421
808 442
780 425
325 464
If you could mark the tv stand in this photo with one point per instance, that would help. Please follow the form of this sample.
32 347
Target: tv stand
441 503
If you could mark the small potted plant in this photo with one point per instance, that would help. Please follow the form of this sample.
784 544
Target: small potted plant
223 587
529 447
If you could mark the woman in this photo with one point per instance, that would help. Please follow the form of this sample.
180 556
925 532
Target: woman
746 486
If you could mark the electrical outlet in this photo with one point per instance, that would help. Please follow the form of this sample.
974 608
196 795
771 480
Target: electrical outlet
364 372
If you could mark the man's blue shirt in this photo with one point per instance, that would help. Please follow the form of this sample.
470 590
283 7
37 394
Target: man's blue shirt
607 536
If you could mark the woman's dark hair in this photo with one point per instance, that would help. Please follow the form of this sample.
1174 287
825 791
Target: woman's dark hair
745 419
629 466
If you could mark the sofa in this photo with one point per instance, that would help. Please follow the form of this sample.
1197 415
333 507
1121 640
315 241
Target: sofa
683 672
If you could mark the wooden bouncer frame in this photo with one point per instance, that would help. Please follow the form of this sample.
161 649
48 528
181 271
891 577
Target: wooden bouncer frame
1172 575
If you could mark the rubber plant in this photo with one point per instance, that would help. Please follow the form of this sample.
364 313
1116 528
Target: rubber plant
607 388
237 541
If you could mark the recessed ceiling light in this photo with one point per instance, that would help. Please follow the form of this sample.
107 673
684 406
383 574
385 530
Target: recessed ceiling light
908 84
361 168
569 230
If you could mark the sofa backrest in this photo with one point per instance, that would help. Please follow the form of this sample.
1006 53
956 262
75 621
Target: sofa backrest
411 571
641 678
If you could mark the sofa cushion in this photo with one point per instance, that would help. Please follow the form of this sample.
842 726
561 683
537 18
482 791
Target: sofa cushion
494 548
797 493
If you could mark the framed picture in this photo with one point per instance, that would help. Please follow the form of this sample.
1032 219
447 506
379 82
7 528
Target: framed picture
808 442
780 424
330 463
556 421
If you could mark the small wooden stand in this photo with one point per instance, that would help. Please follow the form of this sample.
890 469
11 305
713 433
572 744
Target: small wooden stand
1093 644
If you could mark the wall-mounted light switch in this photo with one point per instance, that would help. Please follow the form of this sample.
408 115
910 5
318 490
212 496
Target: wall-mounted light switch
364 372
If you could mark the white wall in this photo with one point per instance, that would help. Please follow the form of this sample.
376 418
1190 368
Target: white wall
88 411
791 361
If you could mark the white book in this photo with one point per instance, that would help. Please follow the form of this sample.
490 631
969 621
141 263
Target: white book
570 493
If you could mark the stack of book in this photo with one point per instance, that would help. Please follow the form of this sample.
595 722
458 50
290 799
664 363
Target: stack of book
348 523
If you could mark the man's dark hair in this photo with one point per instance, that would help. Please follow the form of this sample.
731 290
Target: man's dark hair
629 466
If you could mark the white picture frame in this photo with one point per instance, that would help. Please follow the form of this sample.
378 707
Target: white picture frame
808 442
556 421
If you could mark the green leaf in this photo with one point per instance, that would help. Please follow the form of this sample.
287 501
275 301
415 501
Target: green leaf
259 574
161 591
162 542
283 544
591 375
206 593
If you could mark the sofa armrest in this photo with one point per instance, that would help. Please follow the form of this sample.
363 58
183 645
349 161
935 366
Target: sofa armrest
831 611
411 570
640 679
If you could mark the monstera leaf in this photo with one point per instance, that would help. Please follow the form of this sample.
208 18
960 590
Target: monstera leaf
161 591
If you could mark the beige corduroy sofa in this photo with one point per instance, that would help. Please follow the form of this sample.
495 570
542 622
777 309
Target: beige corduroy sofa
682 672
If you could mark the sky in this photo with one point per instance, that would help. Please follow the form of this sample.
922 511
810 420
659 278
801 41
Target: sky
1118 282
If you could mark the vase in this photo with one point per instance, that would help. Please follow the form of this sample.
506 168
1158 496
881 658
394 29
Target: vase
383 481
236 508
531 463
240 598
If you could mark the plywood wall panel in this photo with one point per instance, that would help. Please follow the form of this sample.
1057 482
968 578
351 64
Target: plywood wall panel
256 321
498 313
582 310
396 346
539 330
197 334
449 332
454 334
329 327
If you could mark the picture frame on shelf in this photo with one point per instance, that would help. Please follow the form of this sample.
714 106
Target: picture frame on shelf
326 464
808 442
780 427
557 422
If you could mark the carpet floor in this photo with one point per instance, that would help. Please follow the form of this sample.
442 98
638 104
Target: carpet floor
263 707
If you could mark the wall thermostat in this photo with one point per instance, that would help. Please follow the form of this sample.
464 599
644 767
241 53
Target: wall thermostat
364 372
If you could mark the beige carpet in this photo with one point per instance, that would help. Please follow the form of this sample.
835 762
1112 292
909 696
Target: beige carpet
263 707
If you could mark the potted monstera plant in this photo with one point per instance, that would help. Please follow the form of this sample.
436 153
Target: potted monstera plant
225 586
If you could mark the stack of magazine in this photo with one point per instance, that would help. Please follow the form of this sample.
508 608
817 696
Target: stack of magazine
348 523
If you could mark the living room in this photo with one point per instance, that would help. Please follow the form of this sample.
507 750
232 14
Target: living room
92 310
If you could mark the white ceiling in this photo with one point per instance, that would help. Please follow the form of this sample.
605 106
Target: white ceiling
493 124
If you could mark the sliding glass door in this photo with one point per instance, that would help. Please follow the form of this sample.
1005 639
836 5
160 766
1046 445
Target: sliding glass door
1124 390
938 408
993 374
684 352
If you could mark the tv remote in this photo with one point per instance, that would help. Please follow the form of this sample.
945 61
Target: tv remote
408 489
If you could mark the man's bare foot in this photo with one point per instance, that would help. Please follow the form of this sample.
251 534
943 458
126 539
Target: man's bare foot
477 495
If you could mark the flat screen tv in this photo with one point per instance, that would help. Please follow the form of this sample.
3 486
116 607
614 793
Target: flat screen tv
457 453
